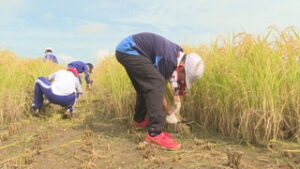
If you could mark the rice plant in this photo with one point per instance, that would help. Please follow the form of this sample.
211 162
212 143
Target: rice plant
250 89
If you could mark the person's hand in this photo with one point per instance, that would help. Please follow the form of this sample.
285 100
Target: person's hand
171 118
78 95
89 86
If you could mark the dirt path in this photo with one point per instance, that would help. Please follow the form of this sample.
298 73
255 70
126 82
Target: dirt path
54 143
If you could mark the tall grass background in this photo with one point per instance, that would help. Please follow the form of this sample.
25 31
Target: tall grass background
250 89
113 88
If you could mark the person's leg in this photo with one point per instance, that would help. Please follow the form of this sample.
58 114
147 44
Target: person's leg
41 86
70 102
140 106
152 85
65 101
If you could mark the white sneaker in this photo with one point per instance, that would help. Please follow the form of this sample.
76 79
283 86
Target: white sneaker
171 119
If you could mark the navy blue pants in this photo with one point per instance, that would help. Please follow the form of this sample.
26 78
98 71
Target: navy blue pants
149 85
43 87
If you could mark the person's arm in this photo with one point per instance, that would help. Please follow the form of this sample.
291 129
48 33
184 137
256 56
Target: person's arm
89 82
177 99
166 107
51 77
87 77
177 104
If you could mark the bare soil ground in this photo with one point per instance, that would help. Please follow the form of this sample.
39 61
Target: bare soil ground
91 141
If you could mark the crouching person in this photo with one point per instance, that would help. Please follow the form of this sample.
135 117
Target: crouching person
63 90
86 68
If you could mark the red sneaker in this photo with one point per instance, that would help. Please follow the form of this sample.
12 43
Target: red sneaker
163 140
169 135
141 125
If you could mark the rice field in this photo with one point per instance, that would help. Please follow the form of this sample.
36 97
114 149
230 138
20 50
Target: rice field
250 89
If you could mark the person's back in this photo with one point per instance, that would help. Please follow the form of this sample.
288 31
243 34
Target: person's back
85 68
64 82
152 45
50 56
161 51
81 67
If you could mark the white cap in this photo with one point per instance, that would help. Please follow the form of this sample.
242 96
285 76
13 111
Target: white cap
194 68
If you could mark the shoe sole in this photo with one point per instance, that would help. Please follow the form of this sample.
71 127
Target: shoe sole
161 147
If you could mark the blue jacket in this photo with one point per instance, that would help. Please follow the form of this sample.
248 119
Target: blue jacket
51 57
162 52
81 67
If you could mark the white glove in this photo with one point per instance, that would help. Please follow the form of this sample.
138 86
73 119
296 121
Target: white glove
171 118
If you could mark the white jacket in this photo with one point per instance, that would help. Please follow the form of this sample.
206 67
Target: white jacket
64 83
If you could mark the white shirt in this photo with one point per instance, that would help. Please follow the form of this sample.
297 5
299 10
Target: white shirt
64 83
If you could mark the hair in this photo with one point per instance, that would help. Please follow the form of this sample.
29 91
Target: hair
91 67
48 50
